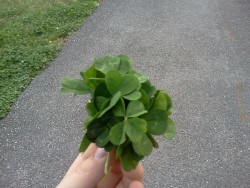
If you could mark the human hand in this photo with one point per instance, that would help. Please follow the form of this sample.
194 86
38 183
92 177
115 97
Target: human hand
87 171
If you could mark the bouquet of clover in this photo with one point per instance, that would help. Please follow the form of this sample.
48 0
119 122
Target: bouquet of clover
125 110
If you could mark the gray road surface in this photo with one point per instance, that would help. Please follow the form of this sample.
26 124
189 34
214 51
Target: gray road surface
199 50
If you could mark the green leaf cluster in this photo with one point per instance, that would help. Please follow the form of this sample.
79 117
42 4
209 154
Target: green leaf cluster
126 110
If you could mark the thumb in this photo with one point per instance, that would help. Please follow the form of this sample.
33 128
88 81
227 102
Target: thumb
88 173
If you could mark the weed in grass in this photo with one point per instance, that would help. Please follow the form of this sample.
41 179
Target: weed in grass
30 39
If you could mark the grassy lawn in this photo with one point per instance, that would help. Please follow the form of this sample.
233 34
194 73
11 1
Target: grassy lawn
31 33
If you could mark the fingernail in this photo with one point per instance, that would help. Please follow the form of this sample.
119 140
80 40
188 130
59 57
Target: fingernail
100 153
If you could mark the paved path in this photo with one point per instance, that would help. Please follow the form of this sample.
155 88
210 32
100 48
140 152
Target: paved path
197 49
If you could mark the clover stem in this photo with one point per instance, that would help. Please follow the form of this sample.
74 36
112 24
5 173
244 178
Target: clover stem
107 165
97 78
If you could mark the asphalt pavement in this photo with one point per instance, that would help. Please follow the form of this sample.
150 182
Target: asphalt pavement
199 51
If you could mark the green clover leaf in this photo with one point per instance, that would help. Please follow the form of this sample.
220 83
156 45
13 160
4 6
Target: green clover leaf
135 109
84 144
92 77
112 103
170 104
160 101
128 84
119 108
144 146
76 86
125 64
133 96
117 134
107 63
102 139
148 88
135 128
142 78
171 129
156 121
113 80
129 159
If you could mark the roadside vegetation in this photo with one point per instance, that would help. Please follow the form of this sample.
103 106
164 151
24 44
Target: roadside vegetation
31 33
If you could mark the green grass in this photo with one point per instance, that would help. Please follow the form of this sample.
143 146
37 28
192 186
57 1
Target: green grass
31 33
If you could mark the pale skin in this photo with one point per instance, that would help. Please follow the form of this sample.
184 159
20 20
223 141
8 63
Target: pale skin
87 171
